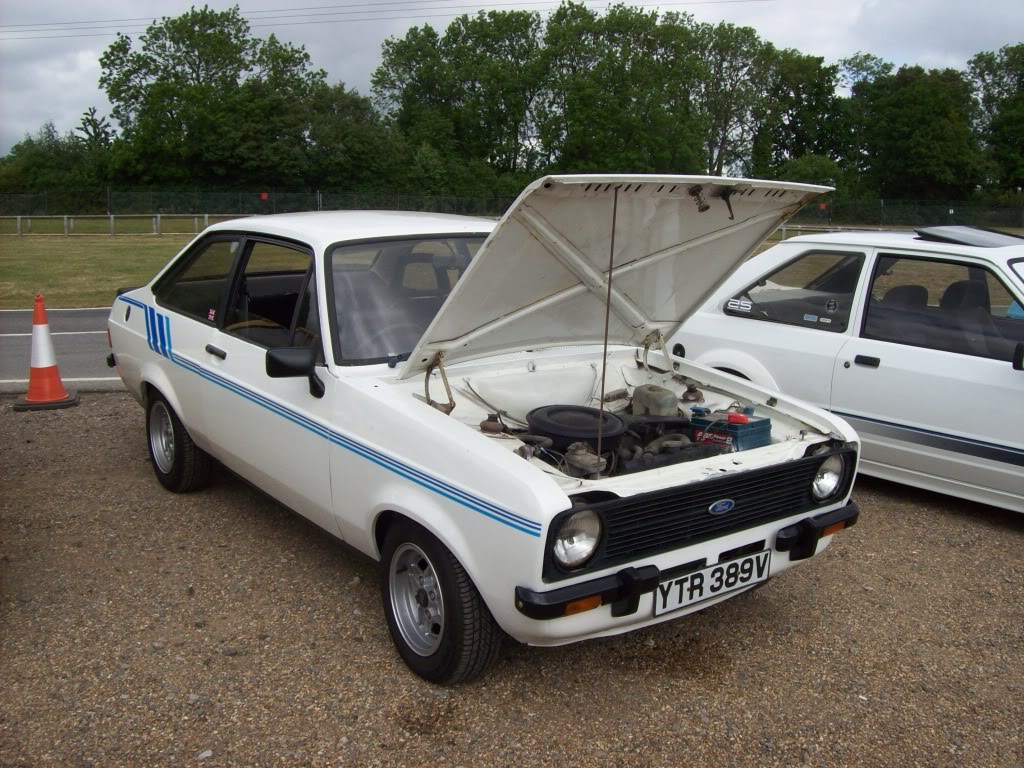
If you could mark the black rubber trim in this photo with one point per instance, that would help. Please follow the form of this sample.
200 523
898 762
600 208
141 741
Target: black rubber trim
111 362
624 587
801 539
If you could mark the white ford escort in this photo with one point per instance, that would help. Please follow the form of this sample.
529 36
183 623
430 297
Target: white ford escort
489 410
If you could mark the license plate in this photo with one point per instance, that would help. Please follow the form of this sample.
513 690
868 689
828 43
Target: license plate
711 582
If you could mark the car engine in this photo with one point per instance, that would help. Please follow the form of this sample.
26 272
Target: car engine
656 428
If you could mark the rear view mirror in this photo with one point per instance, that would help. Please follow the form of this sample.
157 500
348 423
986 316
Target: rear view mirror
290 362
1018 357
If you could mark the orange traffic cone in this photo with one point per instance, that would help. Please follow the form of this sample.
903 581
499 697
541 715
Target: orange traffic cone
45 389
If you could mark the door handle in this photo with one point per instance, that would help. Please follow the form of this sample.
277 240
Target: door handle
216 351
870 362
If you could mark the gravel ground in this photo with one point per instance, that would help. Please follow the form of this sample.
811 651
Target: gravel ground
139 628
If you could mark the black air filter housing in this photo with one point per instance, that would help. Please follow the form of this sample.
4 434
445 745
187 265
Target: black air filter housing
567 424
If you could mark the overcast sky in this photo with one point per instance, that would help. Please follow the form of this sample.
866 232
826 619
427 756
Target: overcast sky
56 78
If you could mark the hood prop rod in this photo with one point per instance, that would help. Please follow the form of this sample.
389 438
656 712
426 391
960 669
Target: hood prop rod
607 313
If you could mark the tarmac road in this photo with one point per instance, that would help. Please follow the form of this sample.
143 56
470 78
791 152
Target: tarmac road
79 340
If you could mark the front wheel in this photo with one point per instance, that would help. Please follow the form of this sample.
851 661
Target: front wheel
179 464
438 621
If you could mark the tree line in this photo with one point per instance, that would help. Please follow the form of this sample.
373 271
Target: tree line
496 99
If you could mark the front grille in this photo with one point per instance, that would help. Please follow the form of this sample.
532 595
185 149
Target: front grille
651 523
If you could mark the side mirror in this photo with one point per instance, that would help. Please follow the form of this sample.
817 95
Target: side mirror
1018 356
290 362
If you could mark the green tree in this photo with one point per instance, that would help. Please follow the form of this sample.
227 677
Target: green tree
48 159
998 81
917 139
201 99
730 92
798 114
618 92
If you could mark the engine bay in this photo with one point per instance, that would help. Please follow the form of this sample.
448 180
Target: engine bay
554 416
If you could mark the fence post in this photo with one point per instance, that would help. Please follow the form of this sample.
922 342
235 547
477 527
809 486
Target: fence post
206 220
158 230
71 221
19 225
65 226
111 223
154 225
195 224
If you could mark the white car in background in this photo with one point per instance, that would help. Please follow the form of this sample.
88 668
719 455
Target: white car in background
434 390
915 338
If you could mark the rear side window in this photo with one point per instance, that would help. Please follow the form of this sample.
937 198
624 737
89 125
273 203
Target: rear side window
815 290
950 306
197 288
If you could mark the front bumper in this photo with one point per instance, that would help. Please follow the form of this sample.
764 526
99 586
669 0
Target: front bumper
622 590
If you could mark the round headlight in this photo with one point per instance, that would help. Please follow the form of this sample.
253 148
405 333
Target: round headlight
830 475
577 538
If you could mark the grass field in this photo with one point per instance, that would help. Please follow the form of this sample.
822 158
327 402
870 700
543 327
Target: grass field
79 271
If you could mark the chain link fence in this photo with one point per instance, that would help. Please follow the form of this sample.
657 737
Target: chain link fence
197 201
135 209
898 214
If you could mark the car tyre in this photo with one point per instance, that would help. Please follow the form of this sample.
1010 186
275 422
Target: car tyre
438 621
179 464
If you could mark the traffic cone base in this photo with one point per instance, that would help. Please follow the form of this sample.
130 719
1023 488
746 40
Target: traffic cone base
24 404
45 389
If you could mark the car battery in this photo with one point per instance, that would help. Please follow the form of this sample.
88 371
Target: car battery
734 430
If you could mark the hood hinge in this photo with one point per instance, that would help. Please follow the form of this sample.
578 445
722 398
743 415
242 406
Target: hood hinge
438 362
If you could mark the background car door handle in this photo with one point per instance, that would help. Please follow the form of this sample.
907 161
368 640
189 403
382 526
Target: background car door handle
216 351
870 362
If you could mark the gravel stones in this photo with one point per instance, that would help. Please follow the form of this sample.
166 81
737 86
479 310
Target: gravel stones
900 646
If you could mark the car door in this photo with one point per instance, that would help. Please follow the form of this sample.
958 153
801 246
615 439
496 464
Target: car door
928 381
271 430
189 299
792 321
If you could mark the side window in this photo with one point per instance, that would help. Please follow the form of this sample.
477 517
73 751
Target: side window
198 288
267 294
816 290
944 305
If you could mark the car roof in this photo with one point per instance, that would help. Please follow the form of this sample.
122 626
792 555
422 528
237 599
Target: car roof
910 240
320 229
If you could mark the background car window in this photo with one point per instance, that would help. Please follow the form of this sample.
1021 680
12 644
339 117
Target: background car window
265 298
945 305
815 290
198 289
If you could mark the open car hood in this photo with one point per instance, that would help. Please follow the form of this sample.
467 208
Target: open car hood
541 277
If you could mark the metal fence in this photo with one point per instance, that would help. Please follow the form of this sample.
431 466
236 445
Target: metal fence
888 214
166 210
198 201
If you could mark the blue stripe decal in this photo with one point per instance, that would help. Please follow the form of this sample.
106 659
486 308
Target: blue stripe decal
149 329
946 442
158 332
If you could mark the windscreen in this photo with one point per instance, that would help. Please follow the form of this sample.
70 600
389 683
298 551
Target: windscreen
384 294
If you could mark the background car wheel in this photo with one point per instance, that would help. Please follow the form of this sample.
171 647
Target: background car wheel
438 621
179 465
